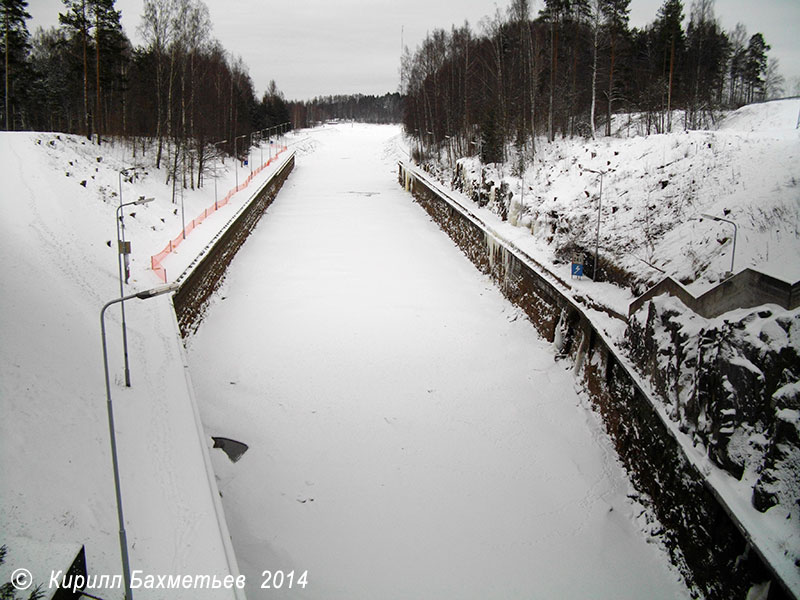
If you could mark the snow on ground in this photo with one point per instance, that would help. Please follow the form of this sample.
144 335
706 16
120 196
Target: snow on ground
655 191
58 255
57 250
759 145
410 434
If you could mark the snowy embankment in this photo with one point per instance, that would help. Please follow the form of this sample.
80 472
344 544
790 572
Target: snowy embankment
655 190
410 435
58 251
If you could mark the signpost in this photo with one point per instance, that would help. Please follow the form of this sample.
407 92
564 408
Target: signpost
577 266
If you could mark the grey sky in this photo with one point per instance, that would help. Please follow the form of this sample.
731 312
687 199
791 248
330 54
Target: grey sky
322 47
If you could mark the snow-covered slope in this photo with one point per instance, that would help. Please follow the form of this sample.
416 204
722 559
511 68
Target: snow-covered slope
656 189
58 257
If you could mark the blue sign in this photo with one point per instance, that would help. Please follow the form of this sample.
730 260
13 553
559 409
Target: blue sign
577 270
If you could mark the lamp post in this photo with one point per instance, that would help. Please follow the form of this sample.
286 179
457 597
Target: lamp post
121 224
123 540
216 161
123 250
735 231
596 274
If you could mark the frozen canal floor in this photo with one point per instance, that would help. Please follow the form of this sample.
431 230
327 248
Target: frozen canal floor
410 435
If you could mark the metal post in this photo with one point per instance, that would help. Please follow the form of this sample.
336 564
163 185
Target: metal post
249 148
183 216
597 237
120 259
216 164
123 539
735 232
236 155
120 253
596 274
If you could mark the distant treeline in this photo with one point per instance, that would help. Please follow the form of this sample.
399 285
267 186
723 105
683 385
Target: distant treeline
366 109
571 68
180 90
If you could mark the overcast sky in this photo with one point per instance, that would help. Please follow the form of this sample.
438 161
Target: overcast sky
321 47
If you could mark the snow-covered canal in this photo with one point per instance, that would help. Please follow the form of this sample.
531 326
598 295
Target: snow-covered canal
410 434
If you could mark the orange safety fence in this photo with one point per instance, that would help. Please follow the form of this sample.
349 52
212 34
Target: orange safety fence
156 259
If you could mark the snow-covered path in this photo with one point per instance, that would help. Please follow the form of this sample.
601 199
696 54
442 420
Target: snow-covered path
410 434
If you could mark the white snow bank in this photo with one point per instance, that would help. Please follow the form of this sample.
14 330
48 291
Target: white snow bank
776 116
657 188
58 256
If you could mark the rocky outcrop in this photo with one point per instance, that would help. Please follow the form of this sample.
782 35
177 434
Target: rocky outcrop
732 385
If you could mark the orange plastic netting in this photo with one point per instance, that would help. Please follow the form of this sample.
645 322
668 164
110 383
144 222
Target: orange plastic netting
157 259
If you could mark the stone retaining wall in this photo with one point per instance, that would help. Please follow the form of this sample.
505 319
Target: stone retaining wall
705 541
206 276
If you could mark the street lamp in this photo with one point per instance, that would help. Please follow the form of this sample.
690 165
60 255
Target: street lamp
123 540
216 160
121 223
124 249
735 230
597 238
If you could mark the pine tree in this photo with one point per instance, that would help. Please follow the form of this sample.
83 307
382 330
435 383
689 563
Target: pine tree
553 13
16 46
616 13
671 40
491 138
8 591
108 39
708 49
77 19
756 67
